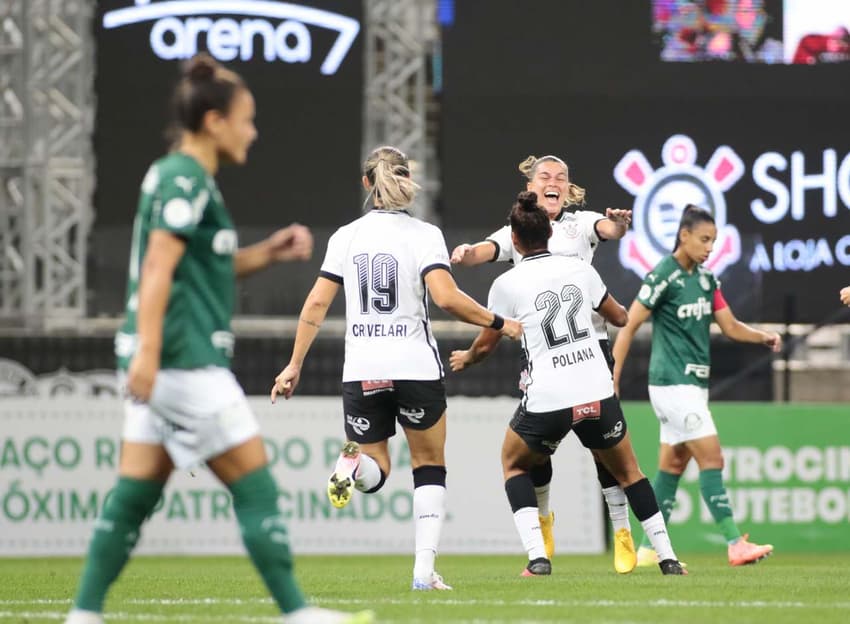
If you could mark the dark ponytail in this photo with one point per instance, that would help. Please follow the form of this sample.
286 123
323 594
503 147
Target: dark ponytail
204 86
691 217
530 222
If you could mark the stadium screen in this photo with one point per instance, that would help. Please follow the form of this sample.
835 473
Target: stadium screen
803 32
762 146
302 60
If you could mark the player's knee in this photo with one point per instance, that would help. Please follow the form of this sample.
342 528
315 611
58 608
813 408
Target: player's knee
380 483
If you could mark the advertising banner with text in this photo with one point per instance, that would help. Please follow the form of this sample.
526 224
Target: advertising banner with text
787 471
58 461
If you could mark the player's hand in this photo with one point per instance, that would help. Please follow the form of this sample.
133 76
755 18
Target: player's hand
460 252
512 329
459 360
845 295
619 216
773 341
286 382
294 242
141 375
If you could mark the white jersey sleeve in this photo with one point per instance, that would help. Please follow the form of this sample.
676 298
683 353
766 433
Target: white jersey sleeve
332 267
596 288
433 253
504 246
499 300
588 220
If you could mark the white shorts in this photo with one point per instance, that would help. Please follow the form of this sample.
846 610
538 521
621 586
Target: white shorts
195 414
683 412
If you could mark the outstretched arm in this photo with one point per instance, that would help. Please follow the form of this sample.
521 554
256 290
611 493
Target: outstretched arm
741 332
471 255
312 315
638 313
294 242
449 297
483 345
615 225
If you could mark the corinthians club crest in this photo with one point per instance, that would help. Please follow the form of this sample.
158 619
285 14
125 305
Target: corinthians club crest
662 194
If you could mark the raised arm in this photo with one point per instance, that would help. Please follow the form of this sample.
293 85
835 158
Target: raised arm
638 313
741 332
615 224
163 253
449 297
312 315
471 255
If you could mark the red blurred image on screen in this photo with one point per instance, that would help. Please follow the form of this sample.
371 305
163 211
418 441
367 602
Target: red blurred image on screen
752 31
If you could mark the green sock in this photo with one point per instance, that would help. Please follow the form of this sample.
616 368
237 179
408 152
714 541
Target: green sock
116 532
715 496
664 486
265 536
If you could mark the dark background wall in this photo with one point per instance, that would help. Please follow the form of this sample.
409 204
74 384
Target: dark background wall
583 80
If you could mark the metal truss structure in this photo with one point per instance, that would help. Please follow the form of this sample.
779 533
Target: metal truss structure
399 35
46 161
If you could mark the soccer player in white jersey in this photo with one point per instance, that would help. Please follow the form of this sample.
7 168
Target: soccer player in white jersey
185 407
568 383
683 298
388 262
575 233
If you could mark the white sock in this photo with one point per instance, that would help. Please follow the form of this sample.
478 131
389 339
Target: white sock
368 473
542 494
618 507
429 510
656 531
527 523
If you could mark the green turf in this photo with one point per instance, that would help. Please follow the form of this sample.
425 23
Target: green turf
785 588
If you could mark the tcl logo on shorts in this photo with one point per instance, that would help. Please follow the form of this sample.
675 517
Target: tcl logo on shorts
586 410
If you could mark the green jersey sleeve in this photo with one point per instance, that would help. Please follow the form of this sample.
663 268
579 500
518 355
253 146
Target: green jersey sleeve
180 203
652 290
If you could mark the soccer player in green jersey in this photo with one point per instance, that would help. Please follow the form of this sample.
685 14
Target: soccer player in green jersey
683 298
184 406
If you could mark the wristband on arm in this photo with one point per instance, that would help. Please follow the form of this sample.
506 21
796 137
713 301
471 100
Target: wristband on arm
498 322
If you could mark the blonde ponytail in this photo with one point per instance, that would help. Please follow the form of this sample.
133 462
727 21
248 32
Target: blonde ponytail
388 172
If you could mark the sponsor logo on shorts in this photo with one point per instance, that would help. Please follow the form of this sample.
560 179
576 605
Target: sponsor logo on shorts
616 432
693 421
586 410
551 444
374 386
413 415
358 423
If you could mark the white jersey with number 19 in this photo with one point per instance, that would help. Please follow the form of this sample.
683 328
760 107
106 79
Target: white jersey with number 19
554 298
381 260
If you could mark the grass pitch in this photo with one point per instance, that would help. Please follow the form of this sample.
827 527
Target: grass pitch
785 588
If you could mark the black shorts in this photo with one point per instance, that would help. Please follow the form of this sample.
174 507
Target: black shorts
373 407
599 424
541 431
